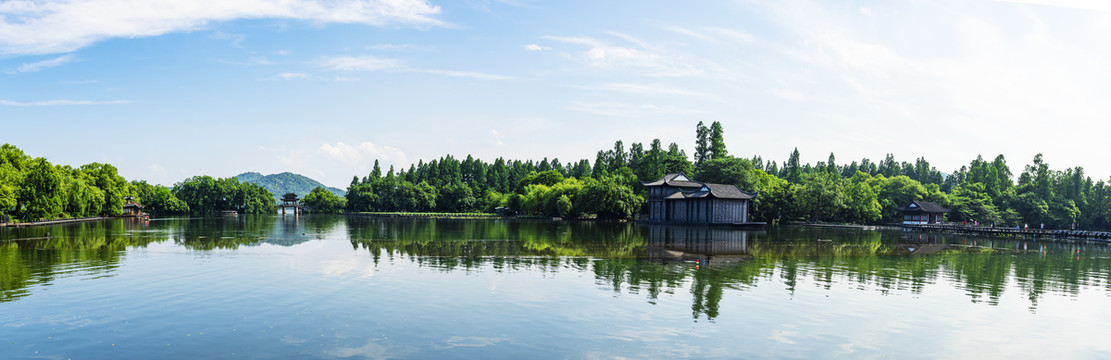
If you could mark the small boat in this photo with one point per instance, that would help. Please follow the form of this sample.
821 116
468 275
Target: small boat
229 213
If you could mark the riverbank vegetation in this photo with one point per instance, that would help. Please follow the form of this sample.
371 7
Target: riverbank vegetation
863 192
34 189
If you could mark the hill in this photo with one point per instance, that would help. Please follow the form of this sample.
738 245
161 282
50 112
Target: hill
279 184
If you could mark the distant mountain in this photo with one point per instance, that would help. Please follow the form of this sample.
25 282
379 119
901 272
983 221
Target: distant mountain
279 184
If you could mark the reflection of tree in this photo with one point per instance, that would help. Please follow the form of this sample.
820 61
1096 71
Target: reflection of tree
38 256
229 232
485 238
883 260
622 256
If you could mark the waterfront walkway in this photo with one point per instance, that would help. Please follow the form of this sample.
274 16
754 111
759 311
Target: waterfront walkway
1101 236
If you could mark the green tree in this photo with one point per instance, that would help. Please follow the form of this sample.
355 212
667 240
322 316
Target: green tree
702 144
42 193
821 195
106 178
608 198
717 141
320 200
728 170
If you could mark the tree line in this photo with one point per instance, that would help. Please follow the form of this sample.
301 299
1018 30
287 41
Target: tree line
32 188
860 191
863 191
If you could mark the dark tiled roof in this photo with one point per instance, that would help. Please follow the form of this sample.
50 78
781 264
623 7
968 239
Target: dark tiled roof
923 206
723 191
704 190
670 180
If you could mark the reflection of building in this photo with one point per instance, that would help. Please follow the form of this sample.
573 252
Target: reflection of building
678 199
131 207
923 212
694 242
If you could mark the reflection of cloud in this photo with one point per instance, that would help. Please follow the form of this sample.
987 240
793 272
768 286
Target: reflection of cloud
649 335
346 266
471 341
371 350
784 336
292 340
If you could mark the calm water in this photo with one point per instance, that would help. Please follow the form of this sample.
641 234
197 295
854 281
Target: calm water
335 287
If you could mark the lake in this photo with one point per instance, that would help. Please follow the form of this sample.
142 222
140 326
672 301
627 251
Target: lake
313 287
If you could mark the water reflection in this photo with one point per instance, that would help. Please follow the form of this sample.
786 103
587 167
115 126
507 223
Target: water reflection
642 260
39 256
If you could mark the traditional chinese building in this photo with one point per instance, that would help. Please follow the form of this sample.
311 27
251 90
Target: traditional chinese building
131 207
923 212
675 198
290 200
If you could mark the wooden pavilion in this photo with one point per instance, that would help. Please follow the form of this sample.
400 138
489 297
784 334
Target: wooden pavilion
290 200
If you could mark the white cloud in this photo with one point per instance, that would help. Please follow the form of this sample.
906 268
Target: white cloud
374 63
715 34
638 56
359 63
793 95
39 27
399 47
618 109
63 102
294 76
46 64
534 47
656 90
467 74
1092 5
362 153
995 68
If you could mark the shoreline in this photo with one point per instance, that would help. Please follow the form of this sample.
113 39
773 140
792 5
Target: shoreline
60 221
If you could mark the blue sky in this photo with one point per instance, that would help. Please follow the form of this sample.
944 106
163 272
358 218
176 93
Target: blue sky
166 89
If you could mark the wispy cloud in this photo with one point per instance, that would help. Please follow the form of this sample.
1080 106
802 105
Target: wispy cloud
362 153
535 47
656 90
793 95
1092 5
618 109
63 102
374 63
359 63
715 34
36 27
636 55
399 47
293 76
466 74
46 64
